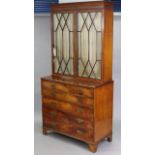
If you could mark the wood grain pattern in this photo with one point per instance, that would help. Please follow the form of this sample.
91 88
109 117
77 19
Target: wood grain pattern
67 89
107 30
96 116
103 111
85 83
81 6
69 108
92 147
60 121
107 45
52 114
80 107
88 102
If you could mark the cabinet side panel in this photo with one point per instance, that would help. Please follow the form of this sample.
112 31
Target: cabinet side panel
103 111
107 44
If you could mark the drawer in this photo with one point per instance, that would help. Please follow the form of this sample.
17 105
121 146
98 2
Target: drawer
53 115
79 91
64 123
83 101
69 108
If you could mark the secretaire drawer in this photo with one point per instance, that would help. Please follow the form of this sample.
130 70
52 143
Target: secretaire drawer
79 91
84 101
73 109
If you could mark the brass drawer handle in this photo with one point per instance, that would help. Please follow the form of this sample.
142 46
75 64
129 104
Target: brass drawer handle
79 110
53 113
80 93
79 132
79 120
52 87
53 95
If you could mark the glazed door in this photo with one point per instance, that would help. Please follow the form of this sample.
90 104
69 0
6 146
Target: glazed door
89 44
62 31
87 28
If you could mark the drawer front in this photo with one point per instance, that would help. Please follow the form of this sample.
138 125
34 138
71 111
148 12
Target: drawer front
83 101
79 91
69 108
73 126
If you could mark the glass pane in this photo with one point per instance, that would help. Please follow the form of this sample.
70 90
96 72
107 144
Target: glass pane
84 45
99 45
59 43
66 44
89 33
63 43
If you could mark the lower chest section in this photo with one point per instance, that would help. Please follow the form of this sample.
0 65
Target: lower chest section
68 110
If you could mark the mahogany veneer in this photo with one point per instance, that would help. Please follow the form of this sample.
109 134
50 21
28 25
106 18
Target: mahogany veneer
80 106
80 111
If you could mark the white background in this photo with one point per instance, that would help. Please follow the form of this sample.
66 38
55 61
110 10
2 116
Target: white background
17 74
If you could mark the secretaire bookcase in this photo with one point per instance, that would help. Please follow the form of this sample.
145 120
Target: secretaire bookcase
77 97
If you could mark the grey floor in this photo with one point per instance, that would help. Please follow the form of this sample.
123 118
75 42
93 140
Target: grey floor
56 144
